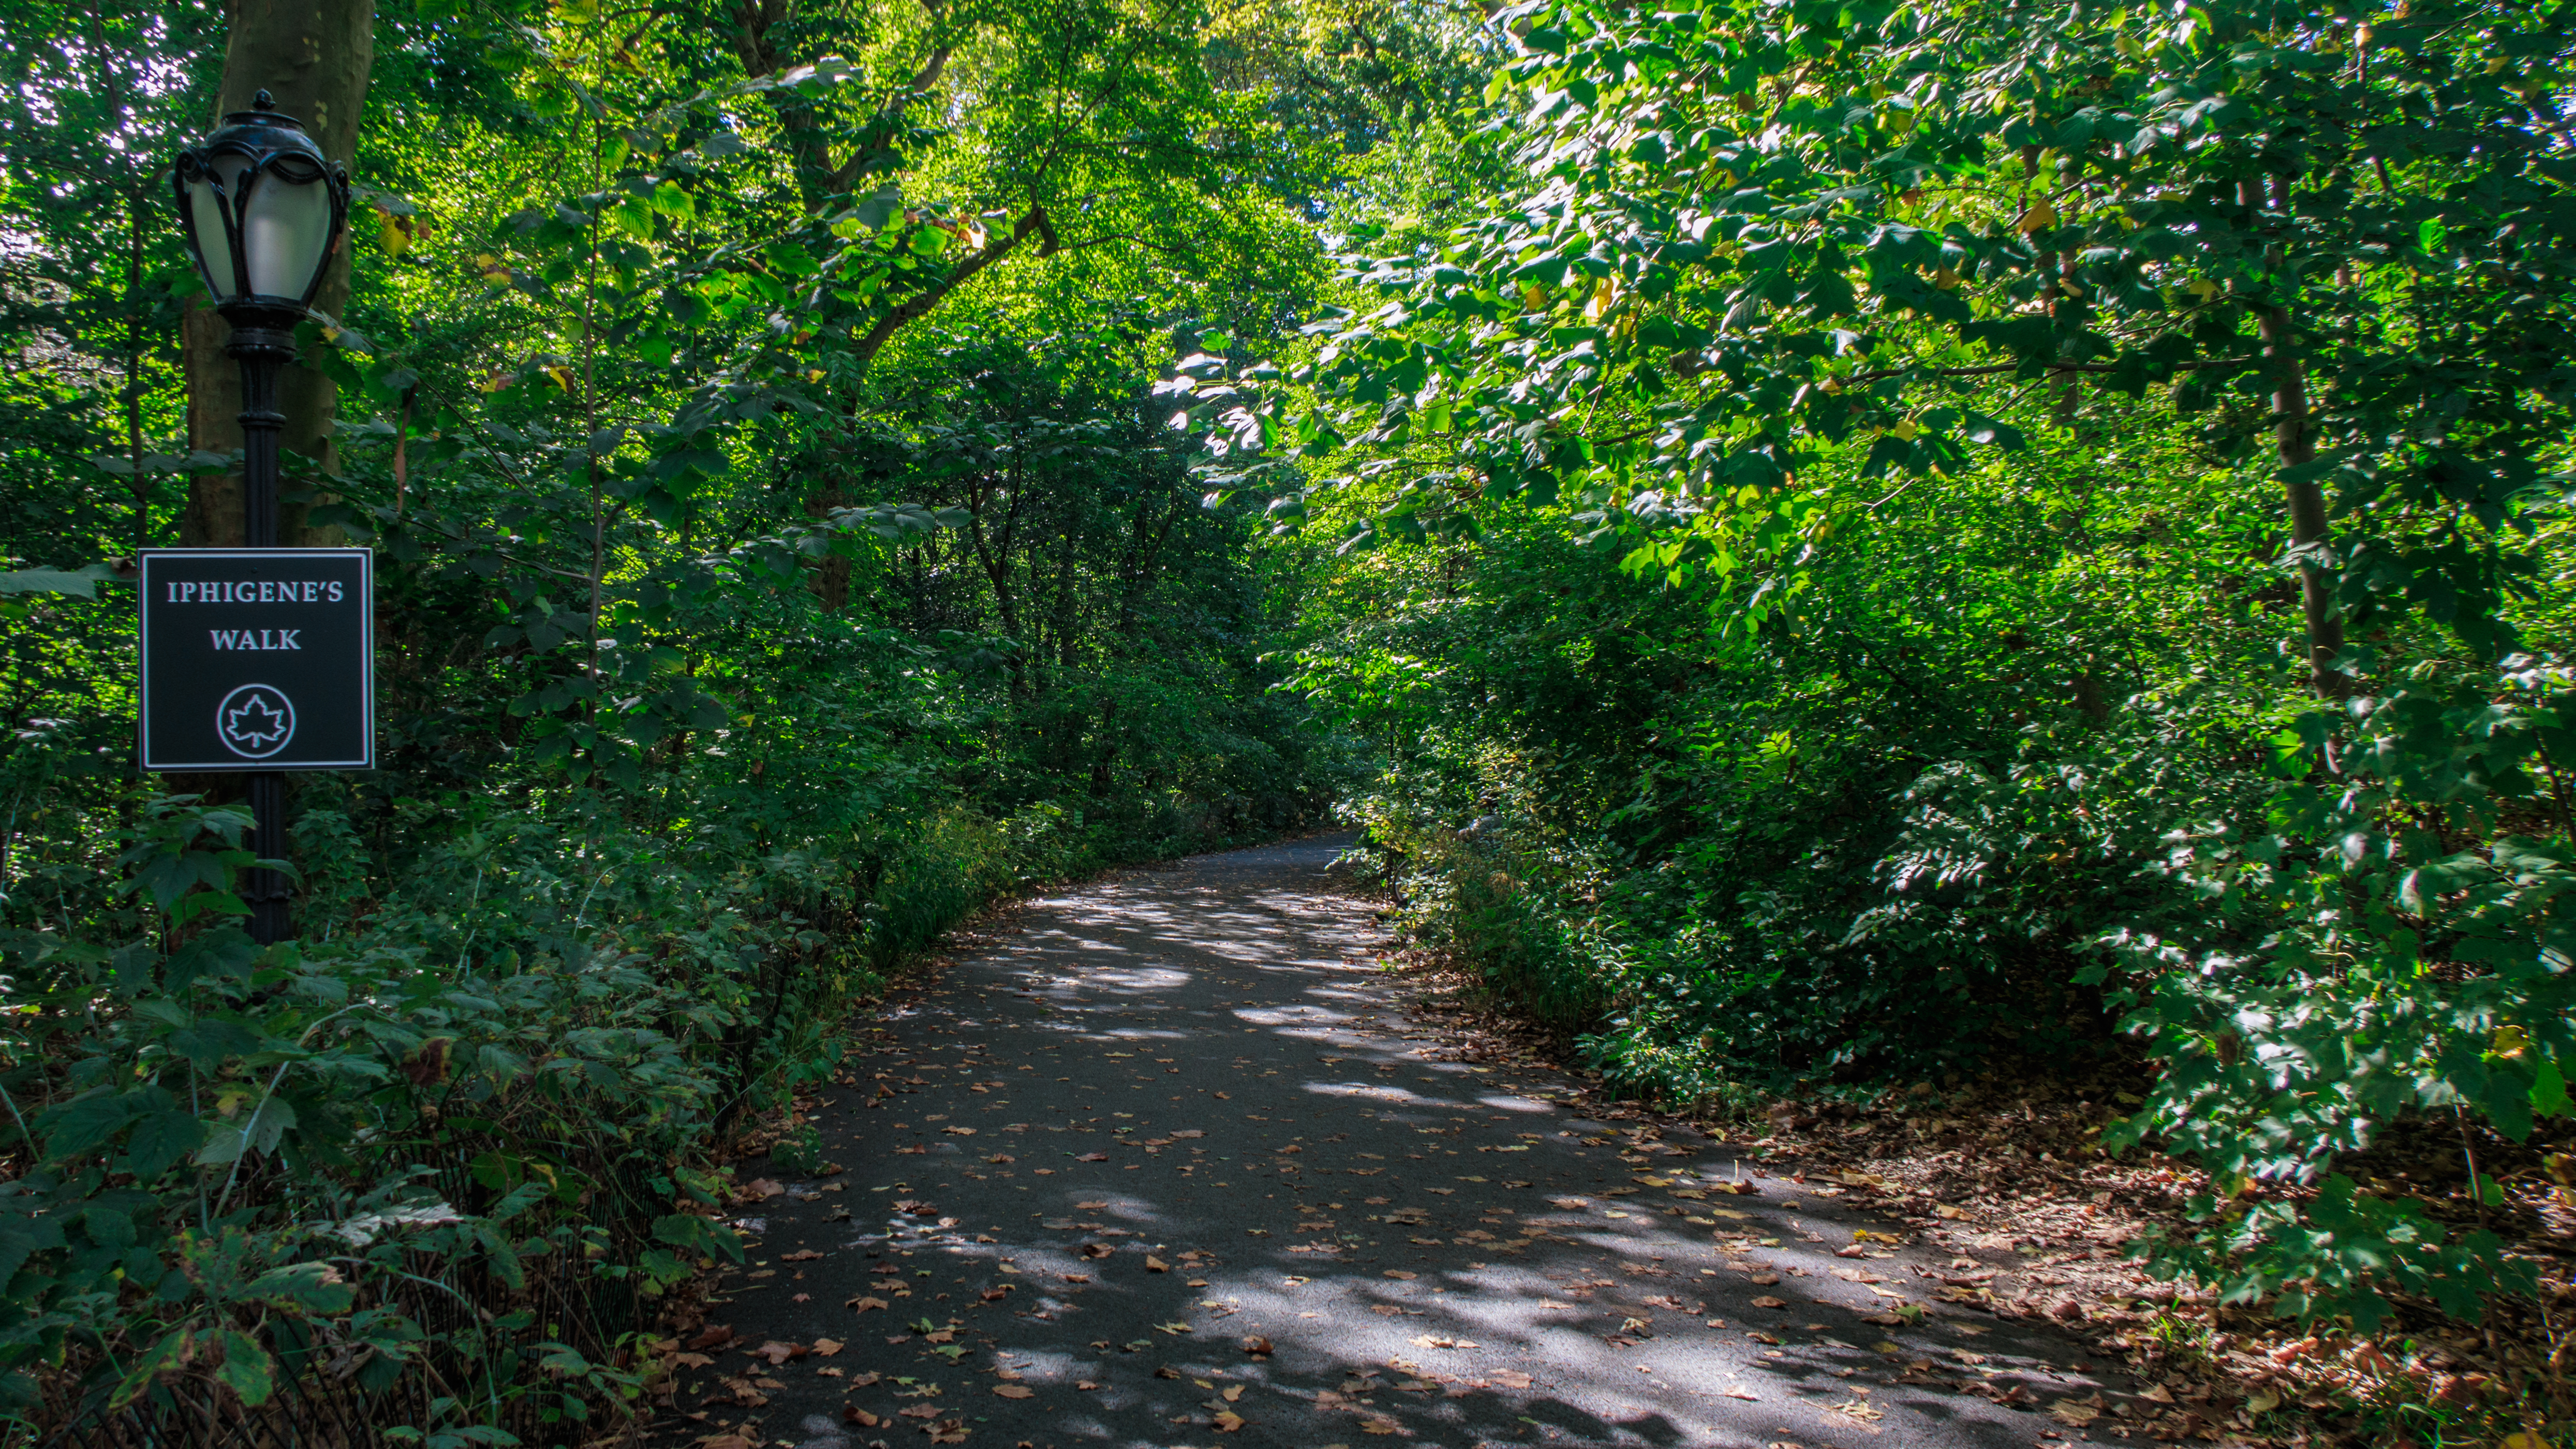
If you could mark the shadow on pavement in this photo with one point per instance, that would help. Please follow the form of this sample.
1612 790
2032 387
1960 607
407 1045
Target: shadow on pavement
1164 1162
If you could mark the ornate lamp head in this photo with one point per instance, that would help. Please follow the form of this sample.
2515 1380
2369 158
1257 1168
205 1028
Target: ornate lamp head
262 208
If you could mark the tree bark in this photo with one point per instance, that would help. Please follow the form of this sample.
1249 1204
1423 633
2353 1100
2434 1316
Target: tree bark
313 56
818 176
918 306
2294 445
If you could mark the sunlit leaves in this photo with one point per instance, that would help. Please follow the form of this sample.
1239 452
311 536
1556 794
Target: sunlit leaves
1861 220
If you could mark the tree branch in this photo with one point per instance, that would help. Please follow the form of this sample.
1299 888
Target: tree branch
921 304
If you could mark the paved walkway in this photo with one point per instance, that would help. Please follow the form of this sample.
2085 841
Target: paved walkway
1164 1162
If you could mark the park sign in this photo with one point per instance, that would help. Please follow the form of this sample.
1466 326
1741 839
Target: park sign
258 659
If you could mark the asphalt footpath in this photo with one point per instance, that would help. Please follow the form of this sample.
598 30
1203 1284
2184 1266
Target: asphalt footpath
1162 1161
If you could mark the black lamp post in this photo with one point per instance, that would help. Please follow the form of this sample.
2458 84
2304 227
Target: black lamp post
262 209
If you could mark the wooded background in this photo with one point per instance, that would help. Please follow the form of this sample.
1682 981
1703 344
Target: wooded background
1829 547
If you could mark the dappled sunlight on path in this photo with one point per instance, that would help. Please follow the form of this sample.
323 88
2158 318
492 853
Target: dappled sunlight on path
1164 1162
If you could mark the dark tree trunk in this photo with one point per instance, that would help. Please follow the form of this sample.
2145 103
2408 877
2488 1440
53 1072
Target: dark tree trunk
313 56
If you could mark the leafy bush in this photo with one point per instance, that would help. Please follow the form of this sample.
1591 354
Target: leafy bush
2091 485
2373 945
489 1077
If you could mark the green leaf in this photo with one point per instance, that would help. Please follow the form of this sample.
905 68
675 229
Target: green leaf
109 1227
161 1141
519 1199
224 1144
148 1366
257 1130
247 1369
88 1122
2508 1100
207 1042
878 207
681 1230
82 584
2549 1091
313 1288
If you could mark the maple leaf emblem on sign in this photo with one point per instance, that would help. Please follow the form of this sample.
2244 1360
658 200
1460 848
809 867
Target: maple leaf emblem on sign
256 723
255 720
